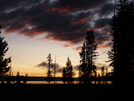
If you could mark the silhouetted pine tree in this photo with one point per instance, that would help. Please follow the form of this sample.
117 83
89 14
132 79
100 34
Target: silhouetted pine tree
4 63
64 75
102 74
95 73
69 71
25 79
121 55
49 72
88 56
82 70
99 79
18 81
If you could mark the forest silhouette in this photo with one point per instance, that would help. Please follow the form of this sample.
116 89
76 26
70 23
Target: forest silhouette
121 58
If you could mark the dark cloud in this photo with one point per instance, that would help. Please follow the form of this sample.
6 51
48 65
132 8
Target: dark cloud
44 64
75 5
107 9
101 23
60 20
59 70
11 5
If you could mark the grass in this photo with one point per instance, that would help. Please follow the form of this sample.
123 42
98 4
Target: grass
60 92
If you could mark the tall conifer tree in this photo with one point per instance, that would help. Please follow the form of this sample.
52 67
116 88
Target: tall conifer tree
69 71
88 56
49 72
121 55
4 62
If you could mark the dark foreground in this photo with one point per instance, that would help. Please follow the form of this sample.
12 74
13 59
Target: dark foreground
59 92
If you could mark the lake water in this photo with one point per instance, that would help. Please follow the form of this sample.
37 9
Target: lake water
60 82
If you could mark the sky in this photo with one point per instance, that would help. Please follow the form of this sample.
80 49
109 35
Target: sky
35 28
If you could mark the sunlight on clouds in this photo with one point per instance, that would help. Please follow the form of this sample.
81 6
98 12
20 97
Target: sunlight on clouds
34 29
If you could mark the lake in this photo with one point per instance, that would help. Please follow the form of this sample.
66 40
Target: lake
60 82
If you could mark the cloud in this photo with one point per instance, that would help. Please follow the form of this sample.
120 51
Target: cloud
104 45
59 70
44 64
107 9
59 20
77 48
104 52
101 23
76 5
75 67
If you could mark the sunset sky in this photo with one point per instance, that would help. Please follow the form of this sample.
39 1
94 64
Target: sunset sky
35 28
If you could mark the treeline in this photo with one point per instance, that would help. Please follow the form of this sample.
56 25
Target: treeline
10 79
87 68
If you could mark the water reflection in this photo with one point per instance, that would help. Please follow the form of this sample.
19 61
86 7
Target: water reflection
60 82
